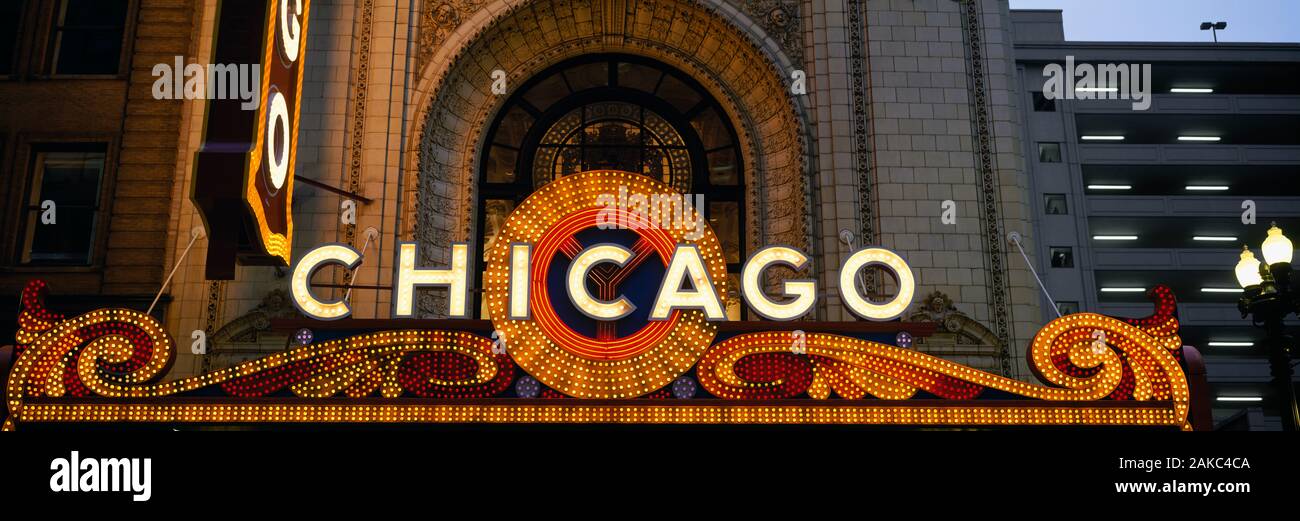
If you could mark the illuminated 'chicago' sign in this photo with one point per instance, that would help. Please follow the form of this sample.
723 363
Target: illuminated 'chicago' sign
589 324
243 177
550 221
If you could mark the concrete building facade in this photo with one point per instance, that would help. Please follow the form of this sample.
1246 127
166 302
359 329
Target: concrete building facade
1127 199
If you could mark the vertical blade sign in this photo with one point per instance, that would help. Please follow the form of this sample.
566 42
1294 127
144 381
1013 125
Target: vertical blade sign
243 178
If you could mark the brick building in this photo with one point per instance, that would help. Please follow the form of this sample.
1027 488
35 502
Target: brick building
80 128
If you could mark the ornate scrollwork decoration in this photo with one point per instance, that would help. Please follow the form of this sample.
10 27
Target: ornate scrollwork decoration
121 353
1139 361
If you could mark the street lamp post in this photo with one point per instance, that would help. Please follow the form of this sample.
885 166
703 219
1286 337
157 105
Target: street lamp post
1214 27
1269 298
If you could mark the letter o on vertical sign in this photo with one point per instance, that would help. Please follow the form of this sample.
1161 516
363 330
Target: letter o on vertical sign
278 139
859 304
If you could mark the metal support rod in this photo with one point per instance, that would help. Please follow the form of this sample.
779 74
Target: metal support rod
371 233
195 233
1014 238
317 184
1279 363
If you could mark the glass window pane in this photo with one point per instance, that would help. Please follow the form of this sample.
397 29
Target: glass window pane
588 76
89 52
1049 152
660 132
723 168
638 77
67 241
496 211
89 37
626 159
72 181
1042 104
613 133
547 92
681 96
501 165
1055 204
568 161
657 164
94 12
563 129
1067 307
724 218
10 14
713 133
514 126
1062 257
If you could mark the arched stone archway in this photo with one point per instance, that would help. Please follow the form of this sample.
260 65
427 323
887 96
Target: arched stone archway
740 66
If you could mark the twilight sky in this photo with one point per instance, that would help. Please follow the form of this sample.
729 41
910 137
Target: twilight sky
1175 20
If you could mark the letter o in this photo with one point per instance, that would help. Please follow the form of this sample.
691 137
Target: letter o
277 126
863 307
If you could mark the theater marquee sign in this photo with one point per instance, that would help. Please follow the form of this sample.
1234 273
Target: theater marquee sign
594 321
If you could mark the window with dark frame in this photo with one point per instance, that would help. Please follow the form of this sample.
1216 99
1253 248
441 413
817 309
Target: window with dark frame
1042 104
1049 152
63 206
11 15
87 37
1067 307
1055 204
1062 257
607 111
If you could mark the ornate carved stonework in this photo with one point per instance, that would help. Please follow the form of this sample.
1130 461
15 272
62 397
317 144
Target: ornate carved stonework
438 19
859 64
986 172
361 83
276 304
212 317
781 20
957 334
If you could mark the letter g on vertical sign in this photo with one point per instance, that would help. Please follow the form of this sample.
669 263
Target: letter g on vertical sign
244 169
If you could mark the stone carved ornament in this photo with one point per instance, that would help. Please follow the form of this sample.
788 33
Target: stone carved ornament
954 326
248 327
780 19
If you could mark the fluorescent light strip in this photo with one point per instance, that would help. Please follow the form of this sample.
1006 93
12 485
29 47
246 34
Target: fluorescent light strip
1222 290
1102 138
1123 290
1213 238
1114 237
1240 398
1231 344
1186 90
1200 139
1206 188
1110 187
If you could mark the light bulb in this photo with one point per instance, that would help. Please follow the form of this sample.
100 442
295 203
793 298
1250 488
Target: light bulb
1248 269
1277 248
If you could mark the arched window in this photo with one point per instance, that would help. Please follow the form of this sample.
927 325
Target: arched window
619 112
